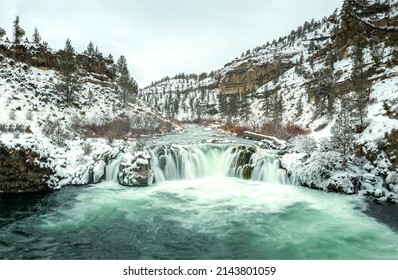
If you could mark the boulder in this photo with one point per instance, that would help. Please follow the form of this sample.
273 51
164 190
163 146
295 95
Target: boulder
135 170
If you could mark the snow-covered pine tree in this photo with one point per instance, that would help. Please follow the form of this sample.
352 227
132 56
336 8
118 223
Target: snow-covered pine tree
361 86
127 87
69 81
342 136
322 90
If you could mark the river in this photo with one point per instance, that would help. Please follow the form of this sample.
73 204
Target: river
193 214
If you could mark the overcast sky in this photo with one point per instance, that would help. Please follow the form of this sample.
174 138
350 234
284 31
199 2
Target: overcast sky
164 37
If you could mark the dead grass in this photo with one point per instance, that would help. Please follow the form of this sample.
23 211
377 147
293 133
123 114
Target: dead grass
237 130
282 131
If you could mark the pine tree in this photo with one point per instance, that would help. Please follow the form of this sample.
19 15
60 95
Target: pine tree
377 55
277 107
342 134
127 87
18 32
244 108
68 77
36 37
2 32
96 51
299 107
322 89
394 56
90 49
222 104
361 86
266 104
198 107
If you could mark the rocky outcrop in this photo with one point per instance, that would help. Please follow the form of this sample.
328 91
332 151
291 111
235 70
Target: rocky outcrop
135 170
41 56
23 171
242 164
249 76
35 55
102 68
93 174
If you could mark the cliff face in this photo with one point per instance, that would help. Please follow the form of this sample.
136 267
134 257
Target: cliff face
249 76
40 56
23 171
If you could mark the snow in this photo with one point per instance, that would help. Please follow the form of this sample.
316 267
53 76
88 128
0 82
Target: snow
32 93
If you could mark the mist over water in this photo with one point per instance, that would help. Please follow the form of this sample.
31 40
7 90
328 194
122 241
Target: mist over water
193 214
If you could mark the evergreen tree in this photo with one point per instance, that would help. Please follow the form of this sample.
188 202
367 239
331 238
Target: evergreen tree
342 134
361 86
266 105
233 105
18 32
90 49
198 107
277 107
36 37
299 107
221 103
68 77
244 108
2 32
377 55
127 87
322 90
394 56
331 59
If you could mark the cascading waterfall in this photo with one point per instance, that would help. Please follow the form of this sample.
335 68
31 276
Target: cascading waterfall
203 160
112 168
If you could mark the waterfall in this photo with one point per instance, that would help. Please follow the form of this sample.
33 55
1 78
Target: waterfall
112 168
203 160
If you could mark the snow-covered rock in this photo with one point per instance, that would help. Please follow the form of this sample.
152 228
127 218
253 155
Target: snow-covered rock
135 170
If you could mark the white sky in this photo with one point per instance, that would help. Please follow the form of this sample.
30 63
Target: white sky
164 37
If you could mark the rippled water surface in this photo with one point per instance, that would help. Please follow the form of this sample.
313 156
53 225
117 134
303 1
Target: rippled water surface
208 218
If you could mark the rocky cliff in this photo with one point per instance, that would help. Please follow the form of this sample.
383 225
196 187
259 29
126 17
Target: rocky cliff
41 56
23 171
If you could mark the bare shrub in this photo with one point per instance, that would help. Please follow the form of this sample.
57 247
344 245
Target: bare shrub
87 149
282 131
59 135
238 130
55 131
76 123
140 144
12 115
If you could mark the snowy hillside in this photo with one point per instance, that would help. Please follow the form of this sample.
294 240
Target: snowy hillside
183 98
77 140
